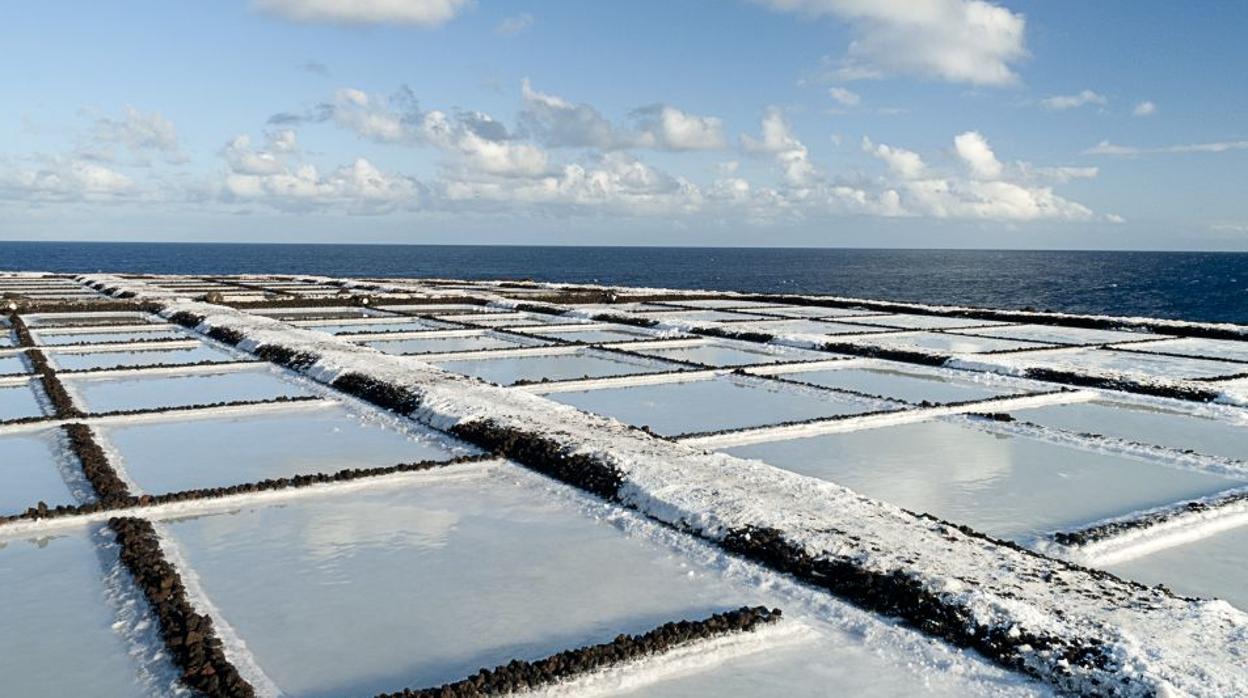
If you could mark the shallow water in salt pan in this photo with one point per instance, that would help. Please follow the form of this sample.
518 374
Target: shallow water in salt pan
1061 335
622 334
434 345
1005 486
1146 424
248 448
729 354
63 338
12 364
927 322
582 364
1144 365
18 401
1196 346
373 327
154 391
384 590
948 343
709 405
56 637
29 472
76 361
1213 567
909 385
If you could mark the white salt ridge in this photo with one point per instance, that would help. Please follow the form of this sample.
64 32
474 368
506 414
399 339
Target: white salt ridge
1160 642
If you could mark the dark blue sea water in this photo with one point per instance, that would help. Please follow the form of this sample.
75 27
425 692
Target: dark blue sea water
1190 286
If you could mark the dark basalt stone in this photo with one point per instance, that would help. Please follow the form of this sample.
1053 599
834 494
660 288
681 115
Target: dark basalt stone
519 674
544 455
108 485
189 636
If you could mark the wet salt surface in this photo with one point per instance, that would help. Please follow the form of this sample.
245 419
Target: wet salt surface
1060 335
29 473
1196 346
1213 567
1146 424
76 361
7 339
813 311
582 364
806 327
56 636
1144 365
910 385
81 319
155 391
1005 486
12 364
63 338
250 448
594 336
701 316
18 401
716 353
368 327
383 591
927 322
433 345
522 320
709 405
947 343
721 303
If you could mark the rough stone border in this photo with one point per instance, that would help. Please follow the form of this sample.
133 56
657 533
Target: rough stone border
520 675
62 403
1148 519
189 635
110 489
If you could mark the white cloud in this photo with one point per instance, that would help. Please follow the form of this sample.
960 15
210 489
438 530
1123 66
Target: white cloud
978 156
510 26
1107 148
276 176
1235 228
138 132
906 164
1145 108
844 97
1060 174
668 128
778 141
970 41
556 122
373 116
426 13
1063 102
65 180
498 157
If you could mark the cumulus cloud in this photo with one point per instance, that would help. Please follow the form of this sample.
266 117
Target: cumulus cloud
669 128
558 123
427 13
510 26
975 152
1064 102
1107 148
65 180
1144 108
276 176
989 191
140 133
778 141
906 164
967 41
844 97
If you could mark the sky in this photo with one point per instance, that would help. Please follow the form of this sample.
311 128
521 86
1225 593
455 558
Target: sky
1053 124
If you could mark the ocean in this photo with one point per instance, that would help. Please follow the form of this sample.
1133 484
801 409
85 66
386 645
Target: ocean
1201 286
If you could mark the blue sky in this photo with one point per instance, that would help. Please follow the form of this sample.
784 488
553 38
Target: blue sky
916 123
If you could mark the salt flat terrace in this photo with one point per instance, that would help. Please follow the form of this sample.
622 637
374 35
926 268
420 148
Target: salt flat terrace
309 486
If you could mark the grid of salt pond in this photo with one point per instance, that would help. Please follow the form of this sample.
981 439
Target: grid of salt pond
378 587
1013 483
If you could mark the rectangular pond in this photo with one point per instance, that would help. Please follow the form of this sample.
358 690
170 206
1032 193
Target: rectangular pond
1197 346
246 448
131 358
1005 486
56 623
1150 424
1061 335
584 363
1140 365
725 402
944 343
418 585
30 471
926 322
19 401
435 345
13 364
65 338
726 353
1213 567
911 385
141 392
